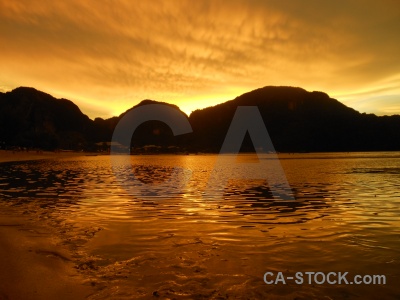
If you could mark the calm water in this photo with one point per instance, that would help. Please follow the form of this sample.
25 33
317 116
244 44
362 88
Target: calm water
345 217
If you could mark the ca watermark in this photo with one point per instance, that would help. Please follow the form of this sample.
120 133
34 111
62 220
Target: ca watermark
247 119
122 164
333 278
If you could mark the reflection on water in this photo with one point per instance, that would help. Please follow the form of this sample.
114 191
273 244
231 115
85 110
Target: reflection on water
345 217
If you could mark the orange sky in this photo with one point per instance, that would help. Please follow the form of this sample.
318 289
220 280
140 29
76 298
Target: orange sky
107 56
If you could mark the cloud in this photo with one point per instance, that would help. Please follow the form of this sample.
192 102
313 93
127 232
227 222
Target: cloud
108 55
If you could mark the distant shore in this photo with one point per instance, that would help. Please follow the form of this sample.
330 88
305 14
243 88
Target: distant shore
10 156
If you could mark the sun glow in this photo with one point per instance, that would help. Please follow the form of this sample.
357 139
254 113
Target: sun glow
107 58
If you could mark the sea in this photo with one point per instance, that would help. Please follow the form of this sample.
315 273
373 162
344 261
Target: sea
207 226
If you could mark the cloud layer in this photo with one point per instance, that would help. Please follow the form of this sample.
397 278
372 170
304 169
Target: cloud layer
108 55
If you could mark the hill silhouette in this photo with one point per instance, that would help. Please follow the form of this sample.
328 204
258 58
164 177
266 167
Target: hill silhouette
150 133
31 118
297 121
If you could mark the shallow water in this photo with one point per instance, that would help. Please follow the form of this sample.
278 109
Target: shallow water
169 238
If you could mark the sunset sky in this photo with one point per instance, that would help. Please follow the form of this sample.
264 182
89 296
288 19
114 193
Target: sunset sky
107 56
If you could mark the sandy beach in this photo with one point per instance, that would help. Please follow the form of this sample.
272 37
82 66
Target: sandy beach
33 264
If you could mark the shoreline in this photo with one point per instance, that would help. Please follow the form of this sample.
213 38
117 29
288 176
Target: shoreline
34 264
18 156
14 156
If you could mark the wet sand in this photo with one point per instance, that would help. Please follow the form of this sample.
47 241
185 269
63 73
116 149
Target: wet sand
33 265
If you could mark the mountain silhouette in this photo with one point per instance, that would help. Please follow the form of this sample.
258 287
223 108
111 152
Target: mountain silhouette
152 133
297 121
31 118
